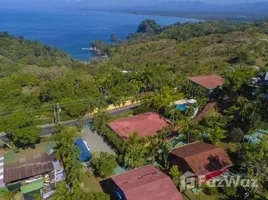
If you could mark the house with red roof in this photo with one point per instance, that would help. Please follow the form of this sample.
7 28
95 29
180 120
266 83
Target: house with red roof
144 183
146 124
201 159
210 82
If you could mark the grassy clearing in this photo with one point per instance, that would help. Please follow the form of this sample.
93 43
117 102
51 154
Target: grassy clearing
91 184
188 195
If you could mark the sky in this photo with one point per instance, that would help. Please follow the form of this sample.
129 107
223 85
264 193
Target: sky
101 3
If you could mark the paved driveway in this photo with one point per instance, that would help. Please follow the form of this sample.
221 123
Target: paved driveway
95 142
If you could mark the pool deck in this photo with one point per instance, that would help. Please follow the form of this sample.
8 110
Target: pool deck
95 142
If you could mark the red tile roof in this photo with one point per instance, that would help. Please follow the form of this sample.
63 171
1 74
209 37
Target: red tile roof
209 81
147 124
146 183
204 112
202 158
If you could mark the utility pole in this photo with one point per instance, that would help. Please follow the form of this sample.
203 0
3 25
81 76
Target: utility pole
55 114
58 112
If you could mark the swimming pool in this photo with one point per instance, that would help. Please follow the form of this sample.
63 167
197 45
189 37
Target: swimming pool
181 107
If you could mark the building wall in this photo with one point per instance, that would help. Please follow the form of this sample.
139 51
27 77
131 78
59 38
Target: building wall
181 163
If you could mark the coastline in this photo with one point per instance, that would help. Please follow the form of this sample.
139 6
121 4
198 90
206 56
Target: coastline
89 25
198 16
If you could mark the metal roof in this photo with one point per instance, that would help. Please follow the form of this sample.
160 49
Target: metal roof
208 81
201 158
147 124
28 168
146 183
32 186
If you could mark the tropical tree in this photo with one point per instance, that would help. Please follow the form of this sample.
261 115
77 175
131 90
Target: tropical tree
62 192
146 77
135 153
215 135
235 135
73 170
164 149
69 154
214 127
20 129
152 149
65 143
100 120
175 174
244 114
254 163
104 164
191 128
162 100
234 81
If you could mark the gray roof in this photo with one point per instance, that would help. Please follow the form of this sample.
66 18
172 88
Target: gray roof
41 164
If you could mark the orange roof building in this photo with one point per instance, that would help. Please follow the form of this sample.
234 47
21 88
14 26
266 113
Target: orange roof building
147 124
200 158
145 183
209 82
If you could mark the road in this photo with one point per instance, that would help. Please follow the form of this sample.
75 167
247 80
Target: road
48 129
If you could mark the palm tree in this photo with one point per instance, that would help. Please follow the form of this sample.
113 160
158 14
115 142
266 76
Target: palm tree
164 149
63 152
62 192
190 128
184 125
134 156
216 134
100 120
138 85
65 144
73 169
135 152
147 78
67 136
152 148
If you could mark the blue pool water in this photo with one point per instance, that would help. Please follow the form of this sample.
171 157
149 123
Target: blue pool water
181 107
85 154
72 30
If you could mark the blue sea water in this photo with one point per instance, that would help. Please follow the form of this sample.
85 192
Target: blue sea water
71 30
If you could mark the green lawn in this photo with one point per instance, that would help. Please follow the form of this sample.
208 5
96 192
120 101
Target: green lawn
188 195
91 184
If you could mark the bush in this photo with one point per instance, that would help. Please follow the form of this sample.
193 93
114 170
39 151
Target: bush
104 164
175 174
235 135
209 190
229 191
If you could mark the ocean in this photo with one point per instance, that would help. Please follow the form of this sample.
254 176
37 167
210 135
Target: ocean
71 30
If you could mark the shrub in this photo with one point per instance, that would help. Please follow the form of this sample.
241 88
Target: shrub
104 164
235 135
209 190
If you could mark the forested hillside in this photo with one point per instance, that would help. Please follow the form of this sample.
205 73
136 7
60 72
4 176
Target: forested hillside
34 77
40 84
